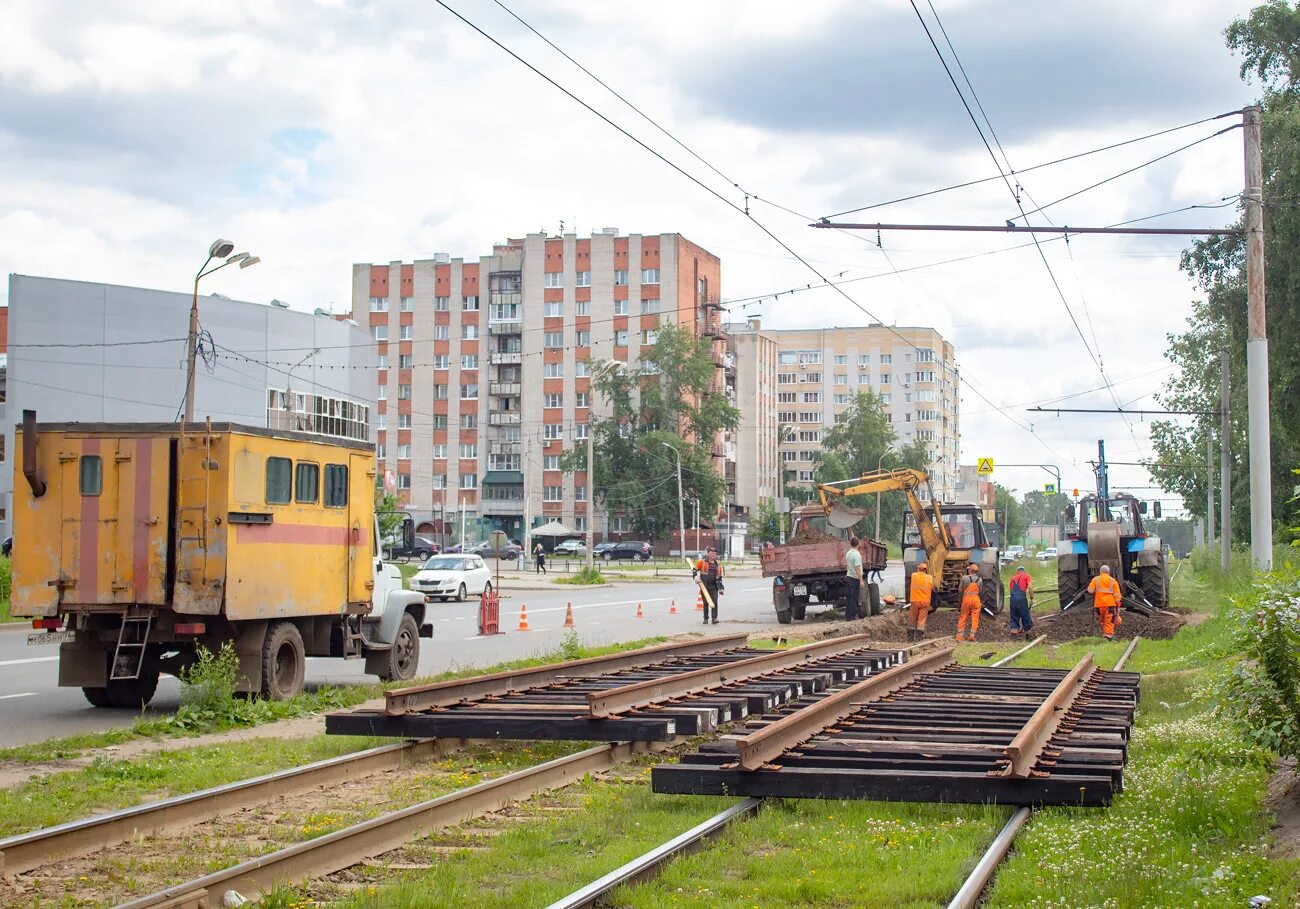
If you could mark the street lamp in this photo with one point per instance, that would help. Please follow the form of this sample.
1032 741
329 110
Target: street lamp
288 389
879 465
681 504
220 249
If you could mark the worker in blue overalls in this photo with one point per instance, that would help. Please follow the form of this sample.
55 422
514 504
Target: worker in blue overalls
1022 588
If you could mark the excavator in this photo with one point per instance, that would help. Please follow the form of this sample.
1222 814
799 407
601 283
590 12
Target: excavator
951 536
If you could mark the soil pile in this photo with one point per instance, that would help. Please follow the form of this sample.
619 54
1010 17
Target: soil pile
809 534
1081 622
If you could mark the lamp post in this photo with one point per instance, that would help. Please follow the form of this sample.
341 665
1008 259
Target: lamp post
879 464
220 249
288 389
681 504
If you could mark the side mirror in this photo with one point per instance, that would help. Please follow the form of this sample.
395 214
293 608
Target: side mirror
408 533
1069 514
1142 507
1155 509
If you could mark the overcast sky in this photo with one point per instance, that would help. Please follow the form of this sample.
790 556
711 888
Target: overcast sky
322 134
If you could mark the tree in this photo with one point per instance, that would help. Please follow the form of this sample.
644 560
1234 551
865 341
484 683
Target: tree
1040 507
766 526
1267 42
856 445
1011 514
388 512
668 402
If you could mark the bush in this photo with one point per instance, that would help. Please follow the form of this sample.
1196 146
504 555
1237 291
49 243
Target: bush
209 684
583 576
571 647
1261 693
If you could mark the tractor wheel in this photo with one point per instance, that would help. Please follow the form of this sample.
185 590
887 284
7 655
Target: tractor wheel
991 594
1154 580
1068 586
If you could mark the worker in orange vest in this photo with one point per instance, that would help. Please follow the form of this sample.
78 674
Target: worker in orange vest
919 591
970 604
1106 599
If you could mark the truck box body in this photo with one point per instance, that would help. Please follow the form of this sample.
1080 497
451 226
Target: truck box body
234 521
794 559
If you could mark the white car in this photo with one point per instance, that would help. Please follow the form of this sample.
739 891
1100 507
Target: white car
1047 554
570 548
445 577
1012 554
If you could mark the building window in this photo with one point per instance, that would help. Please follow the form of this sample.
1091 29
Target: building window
439 481
810 435
441 332
788 416
582 399
580 493
469 450
650 307
618 524
841 380
383 393
381 421
503 312
403 481
379 304
843 399
583 369
649 276
805 476
504 462
648 337
584 279
553 308
403 361
554 279
403 421
582 308
440 452
553 340
788 456
469 332
864 379
440 392
403 392
884 378
440 421
807 455
468 421
440 361
580 523
470 303
812 397
925 376
787 359
408 304
404 332
552 370
469 392
886 358
469 361
811 377
620 307
620 338
810 416
379 332
884 399
841 359
381 452
551 431
404 452
553 400
552 493
441 304
468 481
580 431
551 462
620 276
382 361
864 360
786 397
786 378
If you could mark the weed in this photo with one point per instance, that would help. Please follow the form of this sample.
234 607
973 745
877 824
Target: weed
209 684
571 646
583 576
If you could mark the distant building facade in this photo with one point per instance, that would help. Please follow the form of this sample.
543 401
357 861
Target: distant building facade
757 476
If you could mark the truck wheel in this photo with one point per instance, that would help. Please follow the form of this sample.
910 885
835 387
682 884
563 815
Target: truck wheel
873 599
404 658
98 697
799 608
284 662
132 694
782 616
1155 587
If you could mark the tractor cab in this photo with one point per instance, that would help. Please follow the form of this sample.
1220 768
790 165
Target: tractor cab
1111 532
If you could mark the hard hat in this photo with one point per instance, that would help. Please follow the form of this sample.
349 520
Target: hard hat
1105 569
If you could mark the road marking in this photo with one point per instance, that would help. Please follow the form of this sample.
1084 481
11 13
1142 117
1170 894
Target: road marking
25 694
48 659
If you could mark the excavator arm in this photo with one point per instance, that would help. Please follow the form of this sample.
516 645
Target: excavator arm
934 535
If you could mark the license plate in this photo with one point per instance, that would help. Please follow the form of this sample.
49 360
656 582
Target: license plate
52 637
799 590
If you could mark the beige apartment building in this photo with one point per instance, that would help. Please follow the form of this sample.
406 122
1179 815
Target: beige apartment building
483 367
752 354
912 368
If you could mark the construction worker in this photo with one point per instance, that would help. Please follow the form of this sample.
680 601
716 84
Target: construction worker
708 571
1021 592
919 590
853 581
970 604
1106 599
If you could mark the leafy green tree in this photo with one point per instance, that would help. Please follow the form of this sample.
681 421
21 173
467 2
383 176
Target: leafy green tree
389 514
1267 42
861 441
1042 508
1011 514
766 525
666 403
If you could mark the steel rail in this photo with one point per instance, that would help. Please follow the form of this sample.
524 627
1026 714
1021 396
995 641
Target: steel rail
614 701
1032 740
26 851
764 745
344 848
982 874
453 691
648 865
1012 657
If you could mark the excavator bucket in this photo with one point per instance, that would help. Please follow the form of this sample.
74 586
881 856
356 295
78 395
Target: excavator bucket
842 516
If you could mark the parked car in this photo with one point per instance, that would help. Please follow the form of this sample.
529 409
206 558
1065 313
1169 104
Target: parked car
7 547
628 549
509 553
1047 554
1012 554
421 549
570 548
446 577
600 548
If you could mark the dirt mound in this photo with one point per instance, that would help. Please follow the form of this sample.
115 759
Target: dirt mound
809 534
1081 622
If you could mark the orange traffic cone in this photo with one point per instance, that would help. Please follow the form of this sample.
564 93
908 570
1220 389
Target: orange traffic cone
699 601
523 617
672 608
639 613
568 616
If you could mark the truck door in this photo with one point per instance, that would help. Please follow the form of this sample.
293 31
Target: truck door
361 522
199 565
87 552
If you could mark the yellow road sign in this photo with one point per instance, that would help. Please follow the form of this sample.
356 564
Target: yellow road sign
984 466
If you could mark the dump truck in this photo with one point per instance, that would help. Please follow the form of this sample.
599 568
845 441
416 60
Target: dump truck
949 537
136 544
811 567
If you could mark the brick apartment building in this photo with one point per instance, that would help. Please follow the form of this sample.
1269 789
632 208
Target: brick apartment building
483 375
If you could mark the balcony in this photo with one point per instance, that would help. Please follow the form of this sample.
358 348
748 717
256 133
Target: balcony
502 506
504 389
506 328
504 358
503 448
503 419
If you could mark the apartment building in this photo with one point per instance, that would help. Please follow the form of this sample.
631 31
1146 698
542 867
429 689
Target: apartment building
912 368
484 380
752 355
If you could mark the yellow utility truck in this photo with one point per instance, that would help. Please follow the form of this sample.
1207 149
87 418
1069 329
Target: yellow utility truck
137 543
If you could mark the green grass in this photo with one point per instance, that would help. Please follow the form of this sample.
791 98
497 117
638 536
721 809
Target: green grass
582 576
109 784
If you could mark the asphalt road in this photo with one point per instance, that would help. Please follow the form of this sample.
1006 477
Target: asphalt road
33 707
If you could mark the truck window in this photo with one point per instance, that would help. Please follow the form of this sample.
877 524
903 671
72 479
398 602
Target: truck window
336 486
306 481
92 475
279 481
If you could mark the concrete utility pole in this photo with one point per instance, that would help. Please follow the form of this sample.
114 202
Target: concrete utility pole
1209 486
681 503
591 493
1225 464
1261 470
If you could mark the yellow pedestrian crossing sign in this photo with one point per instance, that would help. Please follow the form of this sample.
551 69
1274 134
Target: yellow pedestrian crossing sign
984 466
1049 488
